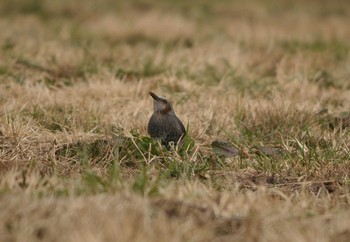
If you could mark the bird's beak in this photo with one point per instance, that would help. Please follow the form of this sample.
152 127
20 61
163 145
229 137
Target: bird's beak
155 97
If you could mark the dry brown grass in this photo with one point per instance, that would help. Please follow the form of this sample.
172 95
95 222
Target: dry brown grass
75 159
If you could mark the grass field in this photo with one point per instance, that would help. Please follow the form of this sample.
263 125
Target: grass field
268 78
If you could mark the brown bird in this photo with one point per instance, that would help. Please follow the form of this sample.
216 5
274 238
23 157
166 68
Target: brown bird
164 125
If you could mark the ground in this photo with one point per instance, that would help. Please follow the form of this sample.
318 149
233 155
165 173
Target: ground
263 88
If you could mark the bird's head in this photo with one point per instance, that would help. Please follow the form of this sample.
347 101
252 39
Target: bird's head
161 104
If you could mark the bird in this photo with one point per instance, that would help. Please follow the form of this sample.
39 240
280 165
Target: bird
164 125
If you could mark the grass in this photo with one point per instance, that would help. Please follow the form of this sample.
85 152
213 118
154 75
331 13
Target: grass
261 86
